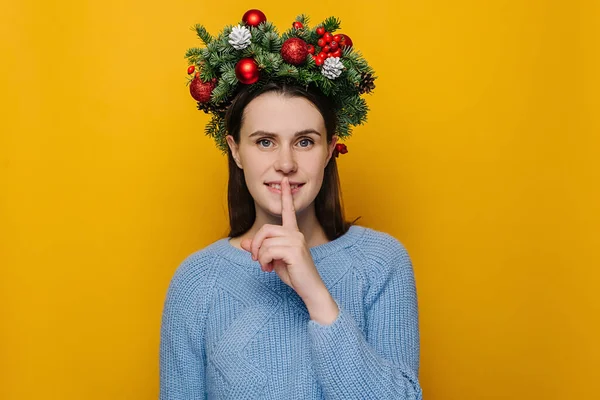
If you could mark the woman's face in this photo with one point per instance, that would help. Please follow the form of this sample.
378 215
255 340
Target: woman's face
282 136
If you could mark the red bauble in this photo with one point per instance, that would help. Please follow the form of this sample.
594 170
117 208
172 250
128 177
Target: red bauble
311 49
201 91
297 25
328 37
246 70
191 69
254 17
294 51
320 31
345 41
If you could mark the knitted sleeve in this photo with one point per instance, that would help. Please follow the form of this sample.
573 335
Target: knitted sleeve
383 361
182 354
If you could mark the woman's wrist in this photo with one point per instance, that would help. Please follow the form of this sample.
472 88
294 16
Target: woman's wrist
322 308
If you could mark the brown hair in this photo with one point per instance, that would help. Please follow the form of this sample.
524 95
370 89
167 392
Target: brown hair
328 203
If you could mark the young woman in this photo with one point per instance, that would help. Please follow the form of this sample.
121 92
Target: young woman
295 303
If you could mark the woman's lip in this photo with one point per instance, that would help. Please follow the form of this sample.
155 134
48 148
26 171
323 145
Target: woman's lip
278 191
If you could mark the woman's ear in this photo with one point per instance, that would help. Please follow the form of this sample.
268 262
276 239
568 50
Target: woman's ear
331 148
233 146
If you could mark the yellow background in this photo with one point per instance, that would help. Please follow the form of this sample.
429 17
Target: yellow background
480 155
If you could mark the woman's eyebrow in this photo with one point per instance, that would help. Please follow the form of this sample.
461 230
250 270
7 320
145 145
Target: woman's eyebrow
271 134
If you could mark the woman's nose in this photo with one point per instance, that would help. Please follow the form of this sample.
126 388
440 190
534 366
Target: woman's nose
286 162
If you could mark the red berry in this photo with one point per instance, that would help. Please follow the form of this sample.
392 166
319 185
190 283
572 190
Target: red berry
321 42
298 25
191 69
197 74
311 49
328 37
320 31
319 61
333 45
337 53
337 38
326 49
329 55
322 55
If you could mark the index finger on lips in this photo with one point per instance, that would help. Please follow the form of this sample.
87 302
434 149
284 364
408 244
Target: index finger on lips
288 212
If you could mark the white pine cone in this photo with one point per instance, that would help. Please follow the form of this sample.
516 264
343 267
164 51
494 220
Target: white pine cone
332 67
239 37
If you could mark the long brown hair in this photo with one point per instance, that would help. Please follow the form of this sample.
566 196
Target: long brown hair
328 203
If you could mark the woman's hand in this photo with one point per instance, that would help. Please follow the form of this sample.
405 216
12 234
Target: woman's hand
282 248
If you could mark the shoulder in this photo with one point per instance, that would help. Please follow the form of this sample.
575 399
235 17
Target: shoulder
386 264
381 247
195 273
385 258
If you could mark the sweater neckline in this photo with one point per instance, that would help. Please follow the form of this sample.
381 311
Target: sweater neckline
227 250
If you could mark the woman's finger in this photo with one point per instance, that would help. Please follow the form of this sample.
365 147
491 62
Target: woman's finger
246 244
288 212
270 254
268 243
263 233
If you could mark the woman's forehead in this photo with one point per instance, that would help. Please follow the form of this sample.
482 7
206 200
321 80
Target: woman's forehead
276 113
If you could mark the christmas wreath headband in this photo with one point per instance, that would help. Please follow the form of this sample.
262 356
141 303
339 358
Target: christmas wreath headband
253 54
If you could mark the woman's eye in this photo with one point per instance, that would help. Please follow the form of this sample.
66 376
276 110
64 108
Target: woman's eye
305 142
264 142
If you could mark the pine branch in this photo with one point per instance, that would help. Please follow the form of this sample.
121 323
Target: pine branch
221 134
268 26
224 35
207 74
194 52
211 129
257 35
352 76
251 50
271 42
325 84
203 34
307 77
228 74
304 19
221 92
331 24
288 70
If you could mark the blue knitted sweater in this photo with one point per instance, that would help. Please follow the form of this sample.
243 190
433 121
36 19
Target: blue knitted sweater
231 331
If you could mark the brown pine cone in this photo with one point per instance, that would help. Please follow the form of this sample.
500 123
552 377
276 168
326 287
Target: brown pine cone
209 107
367 83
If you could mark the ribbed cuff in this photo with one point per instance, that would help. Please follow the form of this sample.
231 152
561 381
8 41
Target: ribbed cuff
339 331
